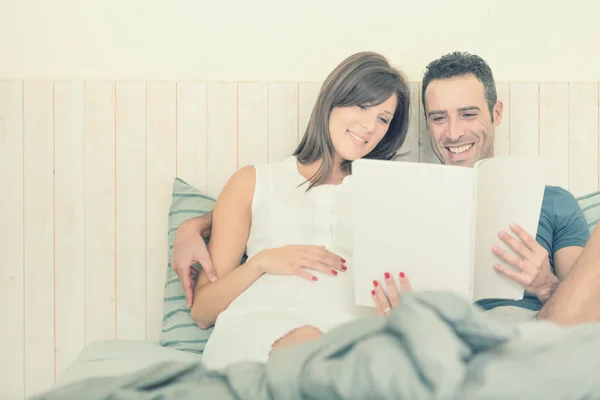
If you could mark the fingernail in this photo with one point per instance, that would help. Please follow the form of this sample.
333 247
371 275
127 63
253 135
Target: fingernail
373 292
314 278
401 274
333 272
213 278
375 283
344 268
343 261
387 275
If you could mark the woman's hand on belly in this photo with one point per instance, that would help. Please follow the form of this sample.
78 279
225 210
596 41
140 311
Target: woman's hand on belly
295 259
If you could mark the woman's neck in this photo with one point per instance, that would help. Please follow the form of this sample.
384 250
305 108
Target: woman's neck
309 170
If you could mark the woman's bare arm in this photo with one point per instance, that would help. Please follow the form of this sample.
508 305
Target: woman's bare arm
230 229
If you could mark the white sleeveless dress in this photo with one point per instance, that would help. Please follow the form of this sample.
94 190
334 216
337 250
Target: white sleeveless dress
283 213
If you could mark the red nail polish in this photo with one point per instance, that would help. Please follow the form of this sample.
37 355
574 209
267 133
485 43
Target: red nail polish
333 272
344 268
401 274
387 275
373 292
375 283
343 261
314 278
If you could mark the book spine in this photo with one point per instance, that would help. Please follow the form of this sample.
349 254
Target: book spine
474 214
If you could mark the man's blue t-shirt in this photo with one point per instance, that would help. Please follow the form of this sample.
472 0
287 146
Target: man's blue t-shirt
562 224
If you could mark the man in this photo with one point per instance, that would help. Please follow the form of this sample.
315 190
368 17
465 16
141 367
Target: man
462 111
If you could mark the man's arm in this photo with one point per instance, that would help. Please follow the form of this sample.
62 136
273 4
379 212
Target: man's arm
206 225
189 248
570 233
564 259
577 298
202 224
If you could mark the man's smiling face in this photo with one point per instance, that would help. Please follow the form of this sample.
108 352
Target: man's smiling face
460 126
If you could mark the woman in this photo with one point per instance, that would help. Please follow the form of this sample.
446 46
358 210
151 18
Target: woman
293 219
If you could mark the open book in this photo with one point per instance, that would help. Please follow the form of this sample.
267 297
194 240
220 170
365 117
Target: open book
438 223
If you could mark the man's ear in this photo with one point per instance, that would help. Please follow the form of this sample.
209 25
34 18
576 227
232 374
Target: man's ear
497 112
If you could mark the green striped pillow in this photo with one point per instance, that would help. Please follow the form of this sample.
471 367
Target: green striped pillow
178 329
590 205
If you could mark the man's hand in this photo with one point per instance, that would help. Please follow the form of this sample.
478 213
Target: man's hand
188 249
534 266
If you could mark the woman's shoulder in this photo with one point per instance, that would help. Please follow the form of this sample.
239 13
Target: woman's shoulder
254 184
254 181
278 165
266 175
267 172
241 183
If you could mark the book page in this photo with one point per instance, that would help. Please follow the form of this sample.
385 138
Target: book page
511 189
416 218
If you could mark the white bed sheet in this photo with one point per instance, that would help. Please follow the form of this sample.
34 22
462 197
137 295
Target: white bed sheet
117 357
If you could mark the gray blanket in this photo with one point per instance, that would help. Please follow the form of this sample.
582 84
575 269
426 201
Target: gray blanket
433 346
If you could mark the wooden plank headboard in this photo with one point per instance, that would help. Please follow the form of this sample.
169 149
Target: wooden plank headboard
86 174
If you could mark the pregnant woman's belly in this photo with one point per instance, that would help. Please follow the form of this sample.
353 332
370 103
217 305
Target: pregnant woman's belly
289 291
273 306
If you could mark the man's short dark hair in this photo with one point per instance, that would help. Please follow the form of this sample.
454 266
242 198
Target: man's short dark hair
459 64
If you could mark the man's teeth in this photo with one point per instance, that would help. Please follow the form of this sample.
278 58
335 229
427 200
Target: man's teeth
461 149
356 137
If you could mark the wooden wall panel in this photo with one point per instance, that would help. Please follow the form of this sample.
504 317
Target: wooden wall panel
253 139
283 120
100 211
130 209
308 92
524 119
192 144
583 135
161 164
222 135
69 217
12 280
38 268
554 128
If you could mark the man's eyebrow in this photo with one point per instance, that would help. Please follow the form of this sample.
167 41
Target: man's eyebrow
470 108
462 109
437 112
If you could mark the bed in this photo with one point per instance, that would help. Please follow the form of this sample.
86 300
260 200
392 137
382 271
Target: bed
432 346
117 357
